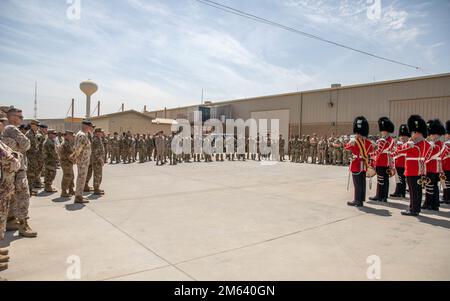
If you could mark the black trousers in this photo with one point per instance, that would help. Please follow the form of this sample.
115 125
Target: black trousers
447 187
382 183
400 189
415 194
432 192
359 182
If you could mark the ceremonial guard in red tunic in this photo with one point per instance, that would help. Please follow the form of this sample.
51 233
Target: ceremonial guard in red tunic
417 151
360 147
445 159
383 159
434 165
403 137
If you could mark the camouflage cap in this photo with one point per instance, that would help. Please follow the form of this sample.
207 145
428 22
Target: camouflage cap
68 133
43 126
35 122
98 130
51 131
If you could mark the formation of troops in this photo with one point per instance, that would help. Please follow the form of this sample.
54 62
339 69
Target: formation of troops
31 154
128 148
419 159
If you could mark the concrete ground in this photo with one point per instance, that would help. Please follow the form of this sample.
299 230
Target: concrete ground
228 221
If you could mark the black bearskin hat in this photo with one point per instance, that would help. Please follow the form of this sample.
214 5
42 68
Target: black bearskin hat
361 126
385 124
447 126
435 127
417 124
403 131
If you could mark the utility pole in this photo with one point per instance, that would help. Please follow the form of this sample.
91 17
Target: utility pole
202 96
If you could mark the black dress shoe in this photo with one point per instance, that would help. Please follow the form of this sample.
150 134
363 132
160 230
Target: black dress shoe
394 195
354 204
375 198
409 213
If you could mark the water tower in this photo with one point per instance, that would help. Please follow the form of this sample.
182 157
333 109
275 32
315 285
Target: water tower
89 88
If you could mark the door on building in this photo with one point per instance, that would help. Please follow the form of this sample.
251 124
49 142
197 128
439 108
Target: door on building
428 108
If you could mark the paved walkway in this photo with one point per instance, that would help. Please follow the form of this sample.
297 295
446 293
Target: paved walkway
228 221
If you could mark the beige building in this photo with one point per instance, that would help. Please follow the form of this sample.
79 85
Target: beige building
132 121
332 110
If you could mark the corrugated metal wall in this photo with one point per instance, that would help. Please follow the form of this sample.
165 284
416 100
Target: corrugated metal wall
428 108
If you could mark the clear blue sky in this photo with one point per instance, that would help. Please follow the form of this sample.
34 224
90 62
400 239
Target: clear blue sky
163 52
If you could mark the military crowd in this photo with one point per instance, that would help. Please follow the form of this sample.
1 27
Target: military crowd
30 156
129 148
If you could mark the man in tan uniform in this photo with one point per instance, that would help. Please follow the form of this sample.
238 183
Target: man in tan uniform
51 160
9 165
82 157
20 202
65 152
160 146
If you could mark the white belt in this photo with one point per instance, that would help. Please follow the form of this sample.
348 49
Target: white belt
415 159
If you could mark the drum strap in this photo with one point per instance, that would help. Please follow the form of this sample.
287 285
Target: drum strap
363 151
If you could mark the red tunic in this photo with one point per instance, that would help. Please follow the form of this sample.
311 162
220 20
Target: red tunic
383 152
434 162
357 164
445 157
400 159
416 156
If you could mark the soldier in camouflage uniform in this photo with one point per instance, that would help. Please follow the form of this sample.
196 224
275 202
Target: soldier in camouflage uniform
9 165
41 136
140 146
20 201
302 144
306 149
313 148
106 144
65 151
50 161
160 145
331 160
322 149
98 154
114 144
150 147
338 151
82 157
33 155
281 145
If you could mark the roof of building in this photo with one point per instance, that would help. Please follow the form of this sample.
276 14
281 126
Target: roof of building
123 113
164 121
